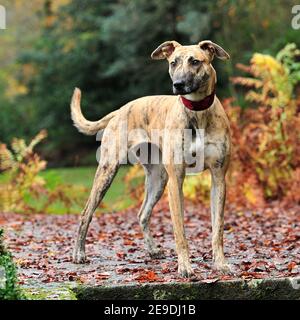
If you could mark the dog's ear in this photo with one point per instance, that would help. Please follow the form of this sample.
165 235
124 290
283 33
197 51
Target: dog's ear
164 50
213 49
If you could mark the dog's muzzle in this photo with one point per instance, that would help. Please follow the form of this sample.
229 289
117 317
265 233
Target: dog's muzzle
183 87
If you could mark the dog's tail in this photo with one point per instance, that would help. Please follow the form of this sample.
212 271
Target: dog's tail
81 123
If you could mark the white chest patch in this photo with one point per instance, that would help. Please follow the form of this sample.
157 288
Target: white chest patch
194 157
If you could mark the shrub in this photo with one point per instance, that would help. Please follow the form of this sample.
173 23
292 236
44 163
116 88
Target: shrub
9 289
22 188
22 166
266 137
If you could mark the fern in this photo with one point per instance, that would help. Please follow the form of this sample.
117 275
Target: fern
271 154
22 167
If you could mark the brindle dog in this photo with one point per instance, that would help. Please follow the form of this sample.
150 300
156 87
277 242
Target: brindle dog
194 79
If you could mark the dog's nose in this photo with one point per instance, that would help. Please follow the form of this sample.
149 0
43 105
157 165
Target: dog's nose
178 85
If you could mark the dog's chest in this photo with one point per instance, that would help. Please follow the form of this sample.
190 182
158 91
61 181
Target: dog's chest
205 147
194 145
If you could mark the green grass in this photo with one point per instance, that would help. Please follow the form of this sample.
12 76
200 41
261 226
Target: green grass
115 199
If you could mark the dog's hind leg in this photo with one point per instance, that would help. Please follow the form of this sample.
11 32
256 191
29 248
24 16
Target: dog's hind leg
103 178
156 179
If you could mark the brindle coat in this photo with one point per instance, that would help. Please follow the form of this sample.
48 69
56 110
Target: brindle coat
193 77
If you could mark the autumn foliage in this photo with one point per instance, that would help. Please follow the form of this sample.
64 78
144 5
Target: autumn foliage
22 166
22 184
265 164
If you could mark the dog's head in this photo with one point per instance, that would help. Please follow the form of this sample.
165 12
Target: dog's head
190 66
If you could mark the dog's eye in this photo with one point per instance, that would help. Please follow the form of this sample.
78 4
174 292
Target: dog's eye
195 62
173 63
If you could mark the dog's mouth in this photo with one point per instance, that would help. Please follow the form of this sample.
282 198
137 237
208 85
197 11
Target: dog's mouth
186 90
191 88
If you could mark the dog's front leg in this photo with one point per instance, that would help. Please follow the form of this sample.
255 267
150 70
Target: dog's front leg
176 176
217 201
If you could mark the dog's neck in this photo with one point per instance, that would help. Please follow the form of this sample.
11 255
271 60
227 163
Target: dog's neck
199 101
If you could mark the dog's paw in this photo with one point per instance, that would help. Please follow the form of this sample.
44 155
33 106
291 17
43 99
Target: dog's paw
157 254
224 268
185 270
79 257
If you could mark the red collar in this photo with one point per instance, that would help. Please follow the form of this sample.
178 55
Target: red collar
201 105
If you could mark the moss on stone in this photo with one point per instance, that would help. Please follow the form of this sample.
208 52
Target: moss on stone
50 293
224 290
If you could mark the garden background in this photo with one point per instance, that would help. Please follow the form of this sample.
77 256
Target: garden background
103 47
